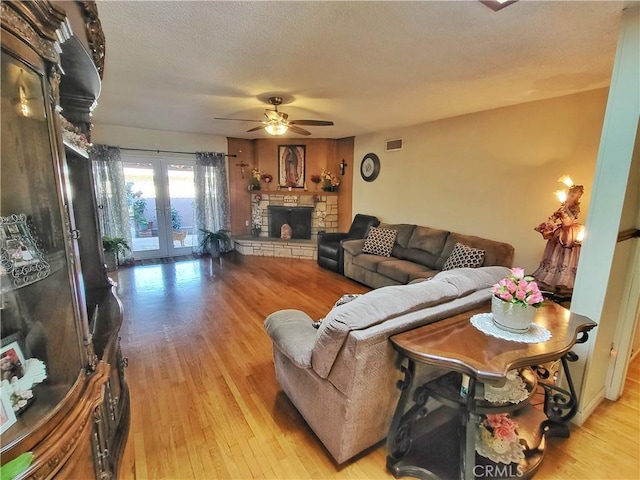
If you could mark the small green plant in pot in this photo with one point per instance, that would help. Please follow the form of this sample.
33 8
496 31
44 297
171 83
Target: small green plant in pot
215 242
114 247
139 207
176 219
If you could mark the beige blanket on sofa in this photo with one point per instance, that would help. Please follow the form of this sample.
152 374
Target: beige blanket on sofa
389 302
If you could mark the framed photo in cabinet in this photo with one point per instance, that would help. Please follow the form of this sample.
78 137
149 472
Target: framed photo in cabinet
22 261
12 361
7 415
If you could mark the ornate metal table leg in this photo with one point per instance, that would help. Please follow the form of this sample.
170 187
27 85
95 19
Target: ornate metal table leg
560 405
400 440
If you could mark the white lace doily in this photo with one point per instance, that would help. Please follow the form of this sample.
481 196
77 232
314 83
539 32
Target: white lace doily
513 452
513 391
535 334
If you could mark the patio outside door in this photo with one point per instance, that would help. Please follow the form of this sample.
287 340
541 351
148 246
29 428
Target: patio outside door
161 200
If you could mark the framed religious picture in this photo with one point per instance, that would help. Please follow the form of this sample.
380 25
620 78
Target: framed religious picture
291 165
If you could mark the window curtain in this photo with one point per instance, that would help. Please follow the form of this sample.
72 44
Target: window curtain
212 195
111 194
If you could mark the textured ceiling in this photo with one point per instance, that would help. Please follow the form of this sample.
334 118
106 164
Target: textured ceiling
367 66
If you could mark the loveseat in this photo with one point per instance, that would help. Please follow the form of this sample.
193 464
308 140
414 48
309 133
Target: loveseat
342 376
418 252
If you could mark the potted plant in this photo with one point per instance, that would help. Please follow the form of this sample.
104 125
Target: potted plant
214 242
138 207
113 247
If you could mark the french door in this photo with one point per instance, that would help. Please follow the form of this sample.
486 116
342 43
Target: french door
161 200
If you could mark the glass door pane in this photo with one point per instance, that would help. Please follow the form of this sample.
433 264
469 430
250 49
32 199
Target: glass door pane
181 200
140 178
161 199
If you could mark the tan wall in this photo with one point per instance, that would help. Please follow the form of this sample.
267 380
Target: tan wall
490 174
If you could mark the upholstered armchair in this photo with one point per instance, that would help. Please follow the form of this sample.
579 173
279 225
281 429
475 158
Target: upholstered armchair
330 254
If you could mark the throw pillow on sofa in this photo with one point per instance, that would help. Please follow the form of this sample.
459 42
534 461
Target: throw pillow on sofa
464 256
380 241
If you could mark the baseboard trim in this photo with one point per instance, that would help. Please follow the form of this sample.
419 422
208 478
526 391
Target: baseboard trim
584 413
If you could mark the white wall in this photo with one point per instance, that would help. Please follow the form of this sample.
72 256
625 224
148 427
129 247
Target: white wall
157 139
490 174
599 272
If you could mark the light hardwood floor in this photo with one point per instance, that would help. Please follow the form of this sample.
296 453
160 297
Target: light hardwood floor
205 402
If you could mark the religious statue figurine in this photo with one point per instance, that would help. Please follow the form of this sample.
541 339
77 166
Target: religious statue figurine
561 230
285 231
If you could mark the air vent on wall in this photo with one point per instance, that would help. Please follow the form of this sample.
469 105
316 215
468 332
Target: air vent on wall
393 145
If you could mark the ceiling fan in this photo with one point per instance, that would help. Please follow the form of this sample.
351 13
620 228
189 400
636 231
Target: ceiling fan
277 123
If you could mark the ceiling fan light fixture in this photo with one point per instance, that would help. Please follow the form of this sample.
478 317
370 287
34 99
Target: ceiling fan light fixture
276 128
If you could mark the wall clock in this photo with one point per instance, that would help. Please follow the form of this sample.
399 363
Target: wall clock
370 167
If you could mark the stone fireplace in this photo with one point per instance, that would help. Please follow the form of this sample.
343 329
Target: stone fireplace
321 210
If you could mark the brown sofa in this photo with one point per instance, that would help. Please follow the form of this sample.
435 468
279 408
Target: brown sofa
418 253
342 377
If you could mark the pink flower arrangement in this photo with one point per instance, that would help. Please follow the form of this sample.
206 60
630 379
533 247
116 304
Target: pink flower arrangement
518 288
503 427
266 177
499 433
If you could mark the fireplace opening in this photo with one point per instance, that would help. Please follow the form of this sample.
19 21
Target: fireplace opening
298 218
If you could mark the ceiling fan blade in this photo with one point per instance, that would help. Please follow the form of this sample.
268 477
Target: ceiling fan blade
299 130
255 129
311 123
236 119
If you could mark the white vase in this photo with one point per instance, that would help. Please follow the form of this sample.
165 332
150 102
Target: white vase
512 317
111 261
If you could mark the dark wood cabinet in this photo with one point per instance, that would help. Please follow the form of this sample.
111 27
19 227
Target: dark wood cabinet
60 312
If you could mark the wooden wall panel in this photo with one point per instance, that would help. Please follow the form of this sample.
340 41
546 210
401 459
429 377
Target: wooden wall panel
263 154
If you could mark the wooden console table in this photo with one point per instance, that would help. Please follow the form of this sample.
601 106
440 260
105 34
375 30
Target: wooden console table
441 444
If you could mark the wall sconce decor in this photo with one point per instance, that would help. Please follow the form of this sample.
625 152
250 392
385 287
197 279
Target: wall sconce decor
564 235
343 165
